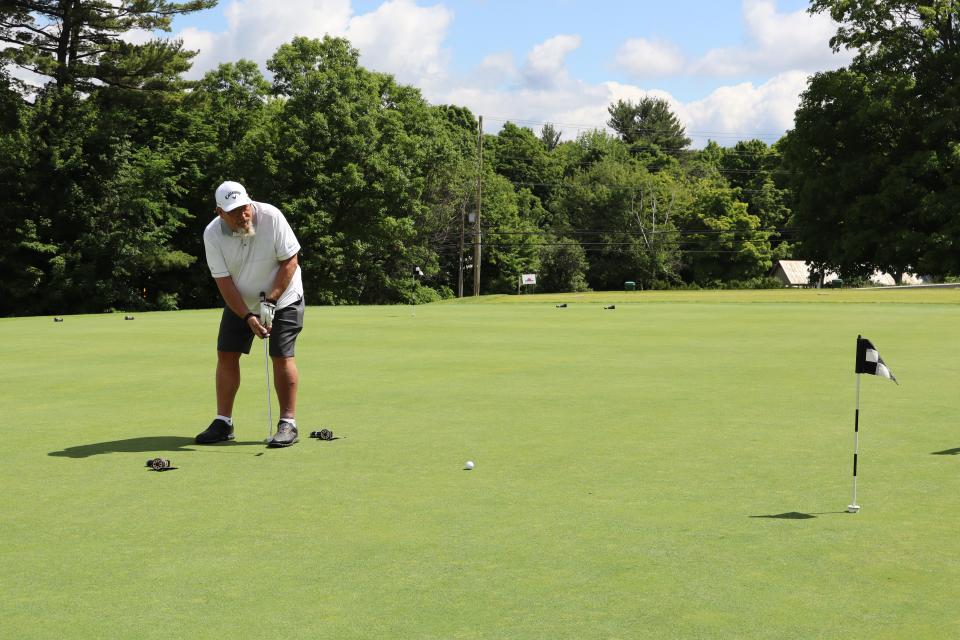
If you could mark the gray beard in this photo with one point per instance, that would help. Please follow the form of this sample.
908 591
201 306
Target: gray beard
245 232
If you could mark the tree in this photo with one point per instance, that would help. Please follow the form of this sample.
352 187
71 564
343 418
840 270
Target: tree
25 251
518 155
590 148
625 219
876 173
723 242
103 187
752 167
549 136
78 43
366 170
563 265
226 110
650 129
511 241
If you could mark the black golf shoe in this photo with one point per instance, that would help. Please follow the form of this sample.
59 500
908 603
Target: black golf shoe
218 431
285 436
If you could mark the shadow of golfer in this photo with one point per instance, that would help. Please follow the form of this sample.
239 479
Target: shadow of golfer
148 444
947 452
796 515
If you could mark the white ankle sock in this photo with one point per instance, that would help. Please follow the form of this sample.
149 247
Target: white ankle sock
290 420
226 419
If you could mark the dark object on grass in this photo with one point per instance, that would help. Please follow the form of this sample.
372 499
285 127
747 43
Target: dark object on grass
323 434
562 305
612 306
159 464
58 319
128 317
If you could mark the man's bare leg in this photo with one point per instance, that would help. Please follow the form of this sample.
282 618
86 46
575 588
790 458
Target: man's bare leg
228 381
286 378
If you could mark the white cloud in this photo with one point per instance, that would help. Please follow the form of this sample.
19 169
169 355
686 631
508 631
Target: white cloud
403 39
777 42
735 112
399 37
137 36
644 58
204 43
726 115
494 71
545 64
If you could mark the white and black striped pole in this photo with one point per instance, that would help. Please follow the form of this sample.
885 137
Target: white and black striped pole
853 507
417 274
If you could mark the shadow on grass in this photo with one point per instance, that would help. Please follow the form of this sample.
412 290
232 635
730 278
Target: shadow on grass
947 452
148 444
796 515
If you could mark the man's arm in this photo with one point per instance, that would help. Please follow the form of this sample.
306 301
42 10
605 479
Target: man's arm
233 299
287 268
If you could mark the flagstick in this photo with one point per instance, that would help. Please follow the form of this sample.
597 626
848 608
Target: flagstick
853 507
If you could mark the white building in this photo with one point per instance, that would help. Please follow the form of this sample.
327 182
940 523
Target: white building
796 273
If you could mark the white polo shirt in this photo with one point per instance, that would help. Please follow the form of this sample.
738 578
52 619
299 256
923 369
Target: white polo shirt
253 262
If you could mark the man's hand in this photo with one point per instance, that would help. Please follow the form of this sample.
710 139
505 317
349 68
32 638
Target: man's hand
267 310
256 327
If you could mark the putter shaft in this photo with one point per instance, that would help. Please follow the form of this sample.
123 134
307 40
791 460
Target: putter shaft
266 369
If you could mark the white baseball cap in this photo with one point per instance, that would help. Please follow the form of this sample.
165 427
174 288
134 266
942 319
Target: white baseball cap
231 195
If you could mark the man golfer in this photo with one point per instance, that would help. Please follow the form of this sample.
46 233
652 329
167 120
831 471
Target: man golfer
251 249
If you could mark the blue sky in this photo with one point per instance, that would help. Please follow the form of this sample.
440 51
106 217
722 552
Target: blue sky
732 69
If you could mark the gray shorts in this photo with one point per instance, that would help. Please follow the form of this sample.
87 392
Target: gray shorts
235 334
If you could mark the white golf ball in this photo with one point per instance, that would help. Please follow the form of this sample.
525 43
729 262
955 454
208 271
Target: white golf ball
468 465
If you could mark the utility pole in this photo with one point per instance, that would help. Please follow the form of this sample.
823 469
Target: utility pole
463 214
476 227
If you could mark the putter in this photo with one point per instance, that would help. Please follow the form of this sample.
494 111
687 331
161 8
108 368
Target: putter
266 370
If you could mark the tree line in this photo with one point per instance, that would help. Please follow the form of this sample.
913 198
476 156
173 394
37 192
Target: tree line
109 168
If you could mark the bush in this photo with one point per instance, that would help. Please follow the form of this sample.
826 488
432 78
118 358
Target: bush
167 302
563 266
423 295
760 282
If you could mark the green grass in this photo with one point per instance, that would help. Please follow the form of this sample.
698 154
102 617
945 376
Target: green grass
628 465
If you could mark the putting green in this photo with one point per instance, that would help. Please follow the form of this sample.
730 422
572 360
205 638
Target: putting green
660 470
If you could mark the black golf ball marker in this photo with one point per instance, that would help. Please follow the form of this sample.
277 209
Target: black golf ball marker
158 464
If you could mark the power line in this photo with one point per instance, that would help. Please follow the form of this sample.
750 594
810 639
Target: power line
499 157
681 232
600 246
595 127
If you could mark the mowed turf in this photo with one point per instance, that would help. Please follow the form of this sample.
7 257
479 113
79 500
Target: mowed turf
677 467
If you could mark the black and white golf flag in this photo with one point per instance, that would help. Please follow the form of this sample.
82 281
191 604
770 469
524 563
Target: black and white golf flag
869 360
